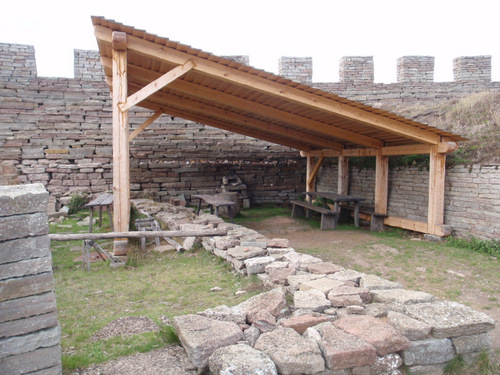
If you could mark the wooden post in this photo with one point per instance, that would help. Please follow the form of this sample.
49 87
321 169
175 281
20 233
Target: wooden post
343 175
437 171
121 169
381 183
310 182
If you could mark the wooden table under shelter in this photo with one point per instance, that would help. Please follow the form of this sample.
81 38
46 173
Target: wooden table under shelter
102 200
329 217
215 201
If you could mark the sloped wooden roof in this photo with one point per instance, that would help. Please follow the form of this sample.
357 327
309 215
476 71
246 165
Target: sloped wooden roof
226 94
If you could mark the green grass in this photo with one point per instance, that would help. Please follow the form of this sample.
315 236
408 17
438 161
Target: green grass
260 212
167 284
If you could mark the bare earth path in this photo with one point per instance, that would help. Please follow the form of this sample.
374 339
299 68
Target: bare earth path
415 268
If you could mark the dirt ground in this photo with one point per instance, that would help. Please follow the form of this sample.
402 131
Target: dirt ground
356 249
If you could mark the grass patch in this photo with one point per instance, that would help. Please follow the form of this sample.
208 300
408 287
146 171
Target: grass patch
157 285
260 213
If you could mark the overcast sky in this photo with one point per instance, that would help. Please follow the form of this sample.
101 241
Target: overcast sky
267 29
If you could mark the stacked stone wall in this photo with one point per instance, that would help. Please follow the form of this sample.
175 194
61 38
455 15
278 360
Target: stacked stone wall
57 131
29 331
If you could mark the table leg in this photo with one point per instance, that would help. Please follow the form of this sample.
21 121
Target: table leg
356 214
198 207
108 208
100 216
336 209
91 219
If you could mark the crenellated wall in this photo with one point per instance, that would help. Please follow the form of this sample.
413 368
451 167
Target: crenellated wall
57 131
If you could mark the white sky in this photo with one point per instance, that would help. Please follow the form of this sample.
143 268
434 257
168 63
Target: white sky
267 30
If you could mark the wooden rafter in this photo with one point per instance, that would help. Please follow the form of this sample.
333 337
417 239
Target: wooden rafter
144 125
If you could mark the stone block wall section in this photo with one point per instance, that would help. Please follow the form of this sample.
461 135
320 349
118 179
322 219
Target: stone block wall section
29 331
57 131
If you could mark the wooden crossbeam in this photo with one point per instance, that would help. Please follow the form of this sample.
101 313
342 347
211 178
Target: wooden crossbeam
442 148
314 172
144 125
157 84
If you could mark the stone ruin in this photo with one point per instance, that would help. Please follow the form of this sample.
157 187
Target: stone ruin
317 317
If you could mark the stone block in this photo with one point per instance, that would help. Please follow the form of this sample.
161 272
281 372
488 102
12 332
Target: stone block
28 306
413 329
428 352
302 322
27 225
28 325
472 343
296 280
381 335
45 361
312 299
324 268
323 284
23 199
291 353
27 343
26 286
388 364
25 268
451 319
241 252
345 290
401 296
342 350
278 242
347 275
241 359
270 302
258 264
225 313
374 282
24 248
201 336
280 275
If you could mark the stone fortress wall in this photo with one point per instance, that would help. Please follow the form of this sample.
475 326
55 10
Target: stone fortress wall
57 131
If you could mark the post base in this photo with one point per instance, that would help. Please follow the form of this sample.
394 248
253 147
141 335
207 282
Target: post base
120 247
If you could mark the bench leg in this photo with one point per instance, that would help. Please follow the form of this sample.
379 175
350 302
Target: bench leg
298 211
198 207
328 221
356 214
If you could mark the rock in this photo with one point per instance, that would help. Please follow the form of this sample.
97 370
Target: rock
216 289
472 344
278 242
451 319
279 276
346 300
355 310
226 242
342 350
271 302
347 275
381 335
302 322
251 335
291 353
301 261
241 253
387 365
225 313
324 284
241 359
189 243
377 310
162 248
413 329
201 336
278 253
257 265
276 265
402 296
324 268
428 352
344 290
373 282
313 299
295 280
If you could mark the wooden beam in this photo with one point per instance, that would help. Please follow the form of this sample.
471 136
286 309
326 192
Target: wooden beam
276 89
144 125
343 175
121 167
310 183
218 97
442 148
381 183
314 172
398 222
157 84
319 153
437 171
238 119
359 152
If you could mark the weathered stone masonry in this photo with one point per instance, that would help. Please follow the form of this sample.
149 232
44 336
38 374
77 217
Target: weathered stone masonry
57 131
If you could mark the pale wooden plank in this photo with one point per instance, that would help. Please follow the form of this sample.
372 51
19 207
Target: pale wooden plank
381 183
437 169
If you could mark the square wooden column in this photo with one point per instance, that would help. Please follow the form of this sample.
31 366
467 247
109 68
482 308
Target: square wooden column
343 175
437 171
121 165
381 191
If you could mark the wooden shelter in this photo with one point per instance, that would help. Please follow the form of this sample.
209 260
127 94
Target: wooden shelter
171 78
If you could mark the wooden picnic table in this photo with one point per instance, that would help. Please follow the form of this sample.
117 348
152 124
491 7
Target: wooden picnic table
337 199
215 201
102 200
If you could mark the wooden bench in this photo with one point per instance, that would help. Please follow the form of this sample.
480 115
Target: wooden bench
376 220
328 217
215 201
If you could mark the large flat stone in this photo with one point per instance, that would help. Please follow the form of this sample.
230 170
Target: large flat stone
472 343
428 352
342 350
26 286
302 322
20 226
295 280
270 302
225 313
451 319
374 282
46 360
28 306
241 359
258 264
345 290
323 284
301 261
314 300
324 268
23 344
25 268
347 275
278 242
413 329
244 252
279 276
402 296
25 248
381 335
201 336
23 199
292 353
